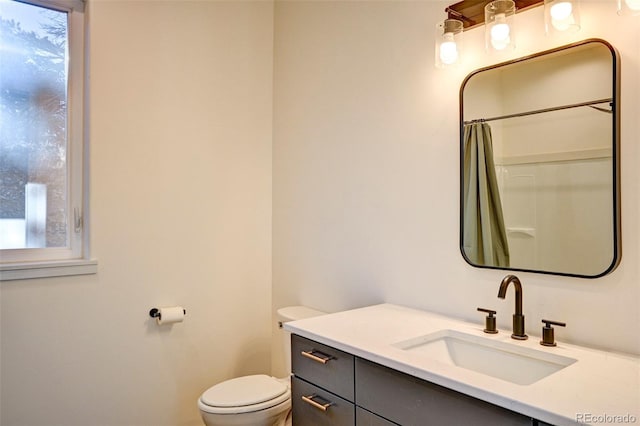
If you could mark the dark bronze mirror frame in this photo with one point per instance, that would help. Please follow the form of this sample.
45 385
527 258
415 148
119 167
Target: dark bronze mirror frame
615 202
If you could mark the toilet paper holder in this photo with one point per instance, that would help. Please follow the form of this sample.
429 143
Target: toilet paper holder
155 313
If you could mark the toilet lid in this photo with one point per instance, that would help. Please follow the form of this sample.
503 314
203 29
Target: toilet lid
243 391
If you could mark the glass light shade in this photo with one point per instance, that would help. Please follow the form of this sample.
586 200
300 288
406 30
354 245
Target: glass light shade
499 28
561 16
629 7
448 42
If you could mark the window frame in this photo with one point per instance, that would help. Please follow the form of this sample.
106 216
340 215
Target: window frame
74 259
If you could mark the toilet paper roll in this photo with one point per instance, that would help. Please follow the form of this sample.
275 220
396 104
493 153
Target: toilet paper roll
170 314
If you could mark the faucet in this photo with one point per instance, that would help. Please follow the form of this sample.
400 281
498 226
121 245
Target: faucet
518 317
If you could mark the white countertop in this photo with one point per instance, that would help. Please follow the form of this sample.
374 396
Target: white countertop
598 387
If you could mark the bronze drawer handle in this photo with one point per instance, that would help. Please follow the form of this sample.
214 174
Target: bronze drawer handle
320 406
317 356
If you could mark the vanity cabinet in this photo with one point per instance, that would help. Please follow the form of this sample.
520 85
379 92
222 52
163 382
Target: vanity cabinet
332 387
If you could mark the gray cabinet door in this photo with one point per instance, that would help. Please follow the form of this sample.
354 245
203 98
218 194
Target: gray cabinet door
338 412
410 401
335 374
365 418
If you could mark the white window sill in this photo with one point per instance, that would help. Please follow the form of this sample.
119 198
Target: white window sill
62 268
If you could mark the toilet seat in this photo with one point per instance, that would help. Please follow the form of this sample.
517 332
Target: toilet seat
244 394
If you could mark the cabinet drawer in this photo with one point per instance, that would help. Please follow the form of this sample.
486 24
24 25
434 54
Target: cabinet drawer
323 366
365 418
307 401
410 401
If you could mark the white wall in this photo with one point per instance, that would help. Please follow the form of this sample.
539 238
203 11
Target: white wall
366 170
181 101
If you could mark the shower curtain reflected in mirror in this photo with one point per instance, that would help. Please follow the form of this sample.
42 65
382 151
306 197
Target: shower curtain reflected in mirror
485 237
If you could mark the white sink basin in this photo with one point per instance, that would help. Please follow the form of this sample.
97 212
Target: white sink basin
516 364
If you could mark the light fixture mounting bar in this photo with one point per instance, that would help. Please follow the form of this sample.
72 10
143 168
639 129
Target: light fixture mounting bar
471 12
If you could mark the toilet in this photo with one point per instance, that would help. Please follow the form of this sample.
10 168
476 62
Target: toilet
256 400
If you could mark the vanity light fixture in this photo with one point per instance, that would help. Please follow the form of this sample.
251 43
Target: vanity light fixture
629 7
471 12
448 42
498 18
562 15
499 25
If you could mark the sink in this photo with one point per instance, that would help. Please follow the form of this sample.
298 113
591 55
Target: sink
506 361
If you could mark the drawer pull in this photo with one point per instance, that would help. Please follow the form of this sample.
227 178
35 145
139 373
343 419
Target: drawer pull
323 405
317 356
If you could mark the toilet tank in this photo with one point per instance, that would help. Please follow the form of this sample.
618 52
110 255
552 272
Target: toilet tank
292 313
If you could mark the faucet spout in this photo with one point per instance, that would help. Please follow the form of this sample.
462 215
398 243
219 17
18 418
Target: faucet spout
518 317
502 292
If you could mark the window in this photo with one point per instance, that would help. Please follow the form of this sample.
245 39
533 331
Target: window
42 229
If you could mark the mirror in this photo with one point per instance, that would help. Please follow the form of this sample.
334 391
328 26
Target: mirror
539 163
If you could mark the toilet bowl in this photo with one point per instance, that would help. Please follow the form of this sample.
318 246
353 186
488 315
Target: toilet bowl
256 400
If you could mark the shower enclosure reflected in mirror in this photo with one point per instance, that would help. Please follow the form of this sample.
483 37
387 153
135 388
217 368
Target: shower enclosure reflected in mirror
539 163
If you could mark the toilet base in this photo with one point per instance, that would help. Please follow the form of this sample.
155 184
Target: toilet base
273 416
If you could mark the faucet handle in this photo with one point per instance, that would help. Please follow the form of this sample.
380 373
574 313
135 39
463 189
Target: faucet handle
548 338
490 321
